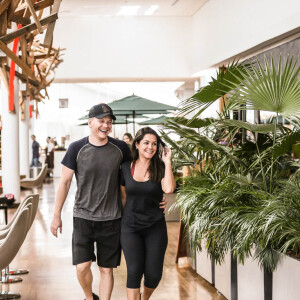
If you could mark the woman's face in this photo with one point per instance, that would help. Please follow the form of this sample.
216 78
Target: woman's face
147 146
126 139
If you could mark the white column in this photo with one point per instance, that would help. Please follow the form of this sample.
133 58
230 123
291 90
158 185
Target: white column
10 144
24 141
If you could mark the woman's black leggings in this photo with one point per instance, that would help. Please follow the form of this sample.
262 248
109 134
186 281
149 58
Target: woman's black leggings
144 252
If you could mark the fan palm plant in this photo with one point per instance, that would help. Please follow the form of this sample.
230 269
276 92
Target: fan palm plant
229 202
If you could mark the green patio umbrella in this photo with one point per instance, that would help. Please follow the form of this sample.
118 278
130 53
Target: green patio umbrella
155 121
135 105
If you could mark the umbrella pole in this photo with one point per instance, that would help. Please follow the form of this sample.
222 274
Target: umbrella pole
133 114
126 122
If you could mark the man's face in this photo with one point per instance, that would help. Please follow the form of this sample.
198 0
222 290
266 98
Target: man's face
100 128
33 137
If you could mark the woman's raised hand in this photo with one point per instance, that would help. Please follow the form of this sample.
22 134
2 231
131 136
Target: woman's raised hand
166 155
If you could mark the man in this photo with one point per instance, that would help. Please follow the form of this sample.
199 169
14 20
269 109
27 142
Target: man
35 152
96 161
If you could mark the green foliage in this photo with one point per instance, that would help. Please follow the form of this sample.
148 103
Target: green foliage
287 144
245 193
227 79
271 88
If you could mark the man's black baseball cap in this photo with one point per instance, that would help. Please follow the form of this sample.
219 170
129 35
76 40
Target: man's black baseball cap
100 111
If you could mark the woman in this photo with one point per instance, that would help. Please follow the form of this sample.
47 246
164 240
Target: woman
127 138
49 151
143 233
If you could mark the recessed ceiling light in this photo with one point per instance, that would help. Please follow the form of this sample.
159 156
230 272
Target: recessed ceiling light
151 10
93 6
129 10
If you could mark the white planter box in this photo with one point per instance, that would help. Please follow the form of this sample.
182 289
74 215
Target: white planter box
250 280
286 279
191 256
204 264
223 276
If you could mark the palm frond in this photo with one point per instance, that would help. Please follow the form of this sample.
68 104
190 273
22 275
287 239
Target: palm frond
259 128
286 144
227 79
271 88
191 123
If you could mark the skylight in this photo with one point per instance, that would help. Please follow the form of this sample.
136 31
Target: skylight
151 10
129 10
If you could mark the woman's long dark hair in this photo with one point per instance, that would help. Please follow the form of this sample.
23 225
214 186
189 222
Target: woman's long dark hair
157 167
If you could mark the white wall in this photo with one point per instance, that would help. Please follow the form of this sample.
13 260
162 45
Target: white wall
168 47
152 47
58 122
223 28
126 47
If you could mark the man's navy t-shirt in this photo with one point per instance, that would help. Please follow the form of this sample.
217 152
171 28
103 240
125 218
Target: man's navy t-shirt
97 174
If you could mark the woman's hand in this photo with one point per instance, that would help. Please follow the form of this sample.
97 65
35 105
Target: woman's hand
166 155
168 183
163 204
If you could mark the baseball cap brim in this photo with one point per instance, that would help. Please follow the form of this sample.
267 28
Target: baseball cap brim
104 115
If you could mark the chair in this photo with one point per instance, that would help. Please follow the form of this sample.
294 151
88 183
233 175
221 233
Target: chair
29 199
30 183
3 235
34 201
10 245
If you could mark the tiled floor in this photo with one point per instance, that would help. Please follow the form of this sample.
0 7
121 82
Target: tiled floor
52 275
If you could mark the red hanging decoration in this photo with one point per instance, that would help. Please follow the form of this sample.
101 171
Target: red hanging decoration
11 95
30 111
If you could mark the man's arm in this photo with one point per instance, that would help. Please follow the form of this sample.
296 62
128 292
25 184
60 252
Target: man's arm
63 189
123 194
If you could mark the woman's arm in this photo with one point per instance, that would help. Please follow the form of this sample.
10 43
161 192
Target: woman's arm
123 194
168 182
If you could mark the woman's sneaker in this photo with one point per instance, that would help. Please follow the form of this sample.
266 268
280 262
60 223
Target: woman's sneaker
95 297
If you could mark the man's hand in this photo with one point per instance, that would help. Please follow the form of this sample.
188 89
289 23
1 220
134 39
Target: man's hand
55 225
163 204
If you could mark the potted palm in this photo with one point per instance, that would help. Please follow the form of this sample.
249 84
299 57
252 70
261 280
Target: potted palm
229 204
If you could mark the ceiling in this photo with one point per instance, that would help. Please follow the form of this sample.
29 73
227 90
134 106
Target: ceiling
109 8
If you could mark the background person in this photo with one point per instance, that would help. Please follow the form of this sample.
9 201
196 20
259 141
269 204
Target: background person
143 232
49 152
127 138
35 152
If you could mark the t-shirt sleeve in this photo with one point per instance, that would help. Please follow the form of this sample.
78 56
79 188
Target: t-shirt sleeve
70 157
126 153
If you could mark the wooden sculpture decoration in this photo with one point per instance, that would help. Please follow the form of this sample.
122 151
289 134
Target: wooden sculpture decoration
23 47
